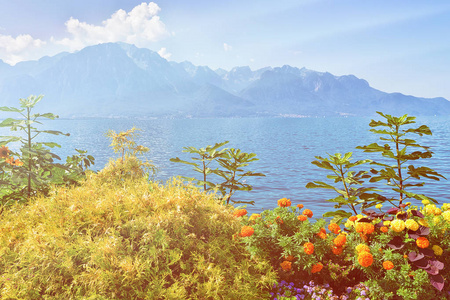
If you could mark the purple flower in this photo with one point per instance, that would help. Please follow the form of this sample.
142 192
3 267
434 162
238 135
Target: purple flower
363 293
349 290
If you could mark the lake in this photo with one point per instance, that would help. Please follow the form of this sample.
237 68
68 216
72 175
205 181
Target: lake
285 148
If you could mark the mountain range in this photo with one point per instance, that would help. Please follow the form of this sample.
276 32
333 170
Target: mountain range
121 80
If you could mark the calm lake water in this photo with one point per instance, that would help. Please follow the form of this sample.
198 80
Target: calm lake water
285 148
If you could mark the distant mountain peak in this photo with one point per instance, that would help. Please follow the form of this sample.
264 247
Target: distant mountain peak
119 79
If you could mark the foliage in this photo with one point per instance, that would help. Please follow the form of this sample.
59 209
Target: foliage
133 240
233 161
357 254
396 147
35 168
348 196
129 165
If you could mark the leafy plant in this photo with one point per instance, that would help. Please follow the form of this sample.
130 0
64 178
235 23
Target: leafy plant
206 156
37 166
233 161
129 164
349 195
394 134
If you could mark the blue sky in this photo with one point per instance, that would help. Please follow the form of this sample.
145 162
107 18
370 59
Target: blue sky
397 46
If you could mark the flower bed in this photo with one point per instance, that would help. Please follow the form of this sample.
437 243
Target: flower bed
401 253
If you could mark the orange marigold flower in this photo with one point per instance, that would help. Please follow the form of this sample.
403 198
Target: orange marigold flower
286 265
300 206
334 228
340 240
362 247
289 258
284 202
322 235
365 228
316 268
309 248
279 220
336 250
353 218
384 229
240 212
14 162
4 152
308 213
422 242
302 218
387 265
247 231
365 259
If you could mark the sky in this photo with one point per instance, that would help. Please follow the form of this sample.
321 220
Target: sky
397 46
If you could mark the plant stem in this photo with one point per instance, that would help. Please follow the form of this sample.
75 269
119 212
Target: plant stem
29 150
346 189
399 165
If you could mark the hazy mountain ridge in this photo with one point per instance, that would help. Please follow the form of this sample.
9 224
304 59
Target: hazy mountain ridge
117 79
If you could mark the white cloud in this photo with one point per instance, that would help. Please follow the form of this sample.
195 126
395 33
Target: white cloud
12 50
141 26
164 54
227 47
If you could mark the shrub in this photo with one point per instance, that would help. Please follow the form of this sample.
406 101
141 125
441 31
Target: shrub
135 240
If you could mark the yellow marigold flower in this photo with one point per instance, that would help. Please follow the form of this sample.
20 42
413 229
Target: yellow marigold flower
411 225
247 231
300 206
445 206
348 224
425 202
361 248
387 265
284 202
436 219
4 152
386 223
446 215
422 242
316 268
286 265
309 248
302 218
337 250
334 228
240 212
379 206
340 240
437 250
437 211
365 259
254 217
353 218
429 209
423 222
398 225
384 229
308 213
